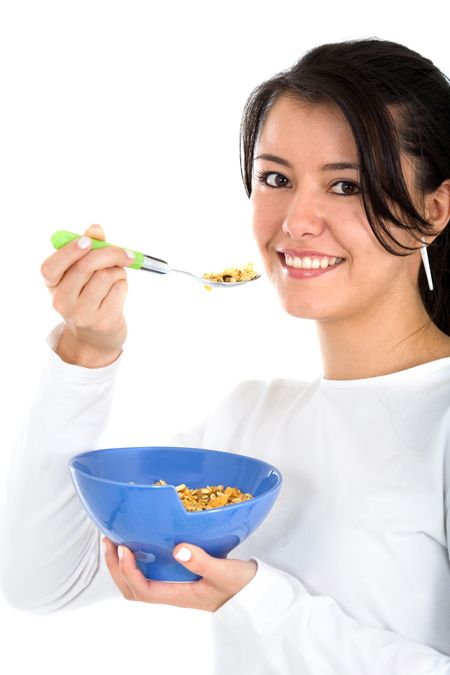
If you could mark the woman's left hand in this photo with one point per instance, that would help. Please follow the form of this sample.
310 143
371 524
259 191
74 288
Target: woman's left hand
221 580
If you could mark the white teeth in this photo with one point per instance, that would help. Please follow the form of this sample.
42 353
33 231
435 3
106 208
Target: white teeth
308 263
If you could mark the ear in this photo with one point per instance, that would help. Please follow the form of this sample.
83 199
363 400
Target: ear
437 208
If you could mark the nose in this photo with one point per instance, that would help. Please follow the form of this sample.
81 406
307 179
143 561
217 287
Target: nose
304 217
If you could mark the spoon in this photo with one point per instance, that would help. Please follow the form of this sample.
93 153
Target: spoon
143 261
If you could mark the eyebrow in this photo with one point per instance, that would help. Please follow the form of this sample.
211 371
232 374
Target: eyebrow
337 166
273 158
334 166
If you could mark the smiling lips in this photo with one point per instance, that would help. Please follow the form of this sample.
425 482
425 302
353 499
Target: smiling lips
308 263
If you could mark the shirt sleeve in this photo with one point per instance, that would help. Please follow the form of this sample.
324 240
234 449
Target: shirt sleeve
278 627
50 547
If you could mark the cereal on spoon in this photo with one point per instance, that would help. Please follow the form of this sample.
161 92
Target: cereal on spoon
232 275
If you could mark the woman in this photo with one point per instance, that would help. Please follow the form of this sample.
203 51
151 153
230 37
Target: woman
346 161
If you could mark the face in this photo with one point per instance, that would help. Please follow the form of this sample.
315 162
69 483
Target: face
309 222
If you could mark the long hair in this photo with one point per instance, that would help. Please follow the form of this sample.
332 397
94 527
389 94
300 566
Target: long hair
395 101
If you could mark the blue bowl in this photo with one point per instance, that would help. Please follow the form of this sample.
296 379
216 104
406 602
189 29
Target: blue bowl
115 487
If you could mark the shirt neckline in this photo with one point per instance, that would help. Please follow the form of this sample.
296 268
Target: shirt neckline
422 369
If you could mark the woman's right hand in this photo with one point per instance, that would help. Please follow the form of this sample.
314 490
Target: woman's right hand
89 289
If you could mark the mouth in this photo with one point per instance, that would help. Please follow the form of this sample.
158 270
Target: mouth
307 266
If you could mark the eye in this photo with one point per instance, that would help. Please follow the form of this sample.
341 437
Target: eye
347 188
271 179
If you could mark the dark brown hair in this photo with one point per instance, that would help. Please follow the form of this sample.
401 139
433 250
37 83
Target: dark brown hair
395 100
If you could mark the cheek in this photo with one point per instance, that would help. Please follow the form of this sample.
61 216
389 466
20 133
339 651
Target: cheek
377 274
264 223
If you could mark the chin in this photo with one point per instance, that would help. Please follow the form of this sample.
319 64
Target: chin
302 310
306 302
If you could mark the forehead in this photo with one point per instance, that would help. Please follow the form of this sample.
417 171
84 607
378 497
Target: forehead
299 128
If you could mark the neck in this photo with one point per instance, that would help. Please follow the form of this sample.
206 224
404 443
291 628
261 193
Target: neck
378 344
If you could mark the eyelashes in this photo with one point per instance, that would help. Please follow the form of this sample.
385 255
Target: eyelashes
262 177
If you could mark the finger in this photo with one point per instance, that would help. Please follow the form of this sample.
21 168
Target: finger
112 304
77 276
112 563
157 592
131 573
96 232
95 291
55 266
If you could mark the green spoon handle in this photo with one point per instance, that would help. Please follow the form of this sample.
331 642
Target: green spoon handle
62 237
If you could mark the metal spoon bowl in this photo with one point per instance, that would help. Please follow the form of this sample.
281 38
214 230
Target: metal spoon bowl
143 261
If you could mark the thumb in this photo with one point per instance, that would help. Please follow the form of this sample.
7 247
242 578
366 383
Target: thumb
196 560
220 572
96 232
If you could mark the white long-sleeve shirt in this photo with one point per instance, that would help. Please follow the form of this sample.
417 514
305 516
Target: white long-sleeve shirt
353 560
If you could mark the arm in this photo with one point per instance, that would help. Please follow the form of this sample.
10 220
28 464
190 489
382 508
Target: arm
50 547
277 622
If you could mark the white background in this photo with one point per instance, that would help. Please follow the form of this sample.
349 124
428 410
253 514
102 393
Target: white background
127 114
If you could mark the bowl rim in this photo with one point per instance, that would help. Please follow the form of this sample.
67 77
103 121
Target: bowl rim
269 466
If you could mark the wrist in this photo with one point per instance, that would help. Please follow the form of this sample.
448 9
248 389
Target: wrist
78 353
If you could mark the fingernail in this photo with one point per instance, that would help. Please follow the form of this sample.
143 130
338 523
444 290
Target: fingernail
84 242
130 254
120 552
183 554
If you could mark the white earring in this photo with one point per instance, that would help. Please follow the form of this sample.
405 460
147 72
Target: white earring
426 264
